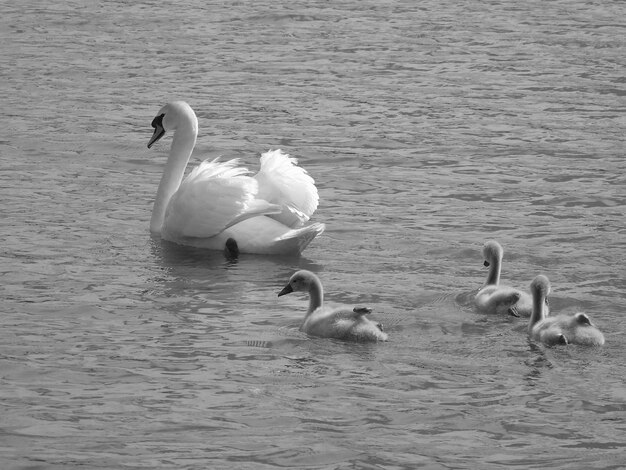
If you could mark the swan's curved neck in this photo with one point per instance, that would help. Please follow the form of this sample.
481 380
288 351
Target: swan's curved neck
493 278
538 314
316 295
183 143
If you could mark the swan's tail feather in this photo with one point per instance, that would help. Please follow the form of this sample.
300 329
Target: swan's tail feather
295 241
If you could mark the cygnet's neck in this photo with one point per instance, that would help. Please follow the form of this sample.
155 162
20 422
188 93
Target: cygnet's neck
538 313
183 143
495 265
316 295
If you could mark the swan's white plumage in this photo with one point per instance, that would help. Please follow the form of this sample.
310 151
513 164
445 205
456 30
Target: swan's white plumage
219 201
215 196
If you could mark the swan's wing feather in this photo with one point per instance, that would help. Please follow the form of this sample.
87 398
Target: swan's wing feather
283 182
213 197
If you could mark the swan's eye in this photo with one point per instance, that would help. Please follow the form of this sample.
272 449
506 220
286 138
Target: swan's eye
158 121
486 263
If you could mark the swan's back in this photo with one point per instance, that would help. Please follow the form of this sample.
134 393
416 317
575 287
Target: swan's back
212 197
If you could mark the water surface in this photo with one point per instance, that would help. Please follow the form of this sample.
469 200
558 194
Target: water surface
428 127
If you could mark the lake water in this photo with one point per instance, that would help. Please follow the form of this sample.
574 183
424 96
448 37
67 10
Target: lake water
428 127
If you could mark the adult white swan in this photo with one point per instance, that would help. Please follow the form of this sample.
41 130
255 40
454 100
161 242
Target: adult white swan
496 298
332 322
219 206
559 329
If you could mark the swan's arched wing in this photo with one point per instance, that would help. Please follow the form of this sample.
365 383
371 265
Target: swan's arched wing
213 197
283 182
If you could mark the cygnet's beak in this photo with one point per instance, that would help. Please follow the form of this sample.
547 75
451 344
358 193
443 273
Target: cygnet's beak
159 131
286 290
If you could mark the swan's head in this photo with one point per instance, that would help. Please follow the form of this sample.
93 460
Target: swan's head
170 117
301 281
492 252
540 287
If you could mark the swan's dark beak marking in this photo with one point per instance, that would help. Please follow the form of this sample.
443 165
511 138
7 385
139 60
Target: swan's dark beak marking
286 290
159 131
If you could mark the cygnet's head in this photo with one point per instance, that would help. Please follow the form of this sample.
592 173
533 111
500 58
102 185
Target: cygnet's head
492 252
300 281
540 286
169 118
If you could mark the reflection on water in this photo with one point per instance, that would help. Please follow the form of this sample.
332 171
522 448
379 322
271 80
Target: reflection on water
427 128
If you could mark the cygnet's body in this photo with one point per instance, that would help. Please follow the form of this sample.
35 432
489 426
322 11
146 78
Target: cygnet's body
496 298
328 322
559 329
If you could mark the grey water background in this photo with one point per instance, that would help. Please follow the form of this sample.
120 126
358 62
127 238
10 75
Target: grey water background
429 127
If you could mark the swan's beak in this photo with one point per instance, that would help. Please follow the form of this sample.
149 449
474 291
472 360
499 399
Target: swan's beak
286 290
486 263
159 131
